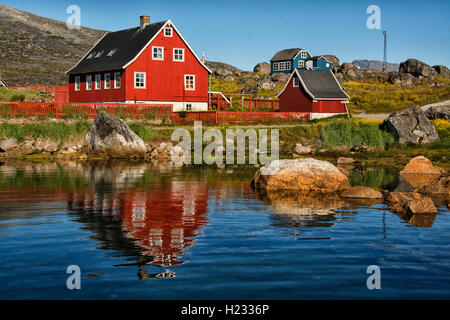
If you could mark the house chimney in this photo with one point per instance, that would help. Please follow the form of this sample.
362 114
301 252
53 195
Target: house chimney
144 21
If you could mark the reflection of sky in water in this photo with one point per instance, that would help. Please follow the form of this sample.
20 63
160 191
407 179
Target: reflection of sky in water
202 233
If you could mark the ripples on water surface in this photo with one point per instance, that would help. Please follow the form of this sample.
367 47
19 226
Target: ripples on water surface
155 232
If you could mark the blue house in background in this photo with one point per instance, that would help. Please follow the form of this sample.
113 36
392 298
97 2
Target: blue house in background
285 61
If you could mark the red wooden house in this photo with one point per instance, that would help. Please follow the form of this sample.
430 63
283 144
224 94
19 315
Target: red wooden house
315 91
148 64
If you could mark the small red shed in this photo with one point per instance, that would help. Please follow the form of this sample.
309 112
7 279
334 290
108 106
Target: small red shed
315 91
152 63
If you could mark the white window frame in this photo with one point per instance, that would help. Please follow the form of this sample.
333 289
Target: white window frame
296 84
182 55
162 53
77 82
303 54
171 31
117 82
193 82
88 82
107 81
98 81
135 78
301 63
189 107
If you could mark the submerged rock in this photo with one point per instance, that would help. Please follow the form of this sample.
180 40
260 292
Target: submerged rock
410 203
344 160
411 125
361 192
300 175
439 186
111 137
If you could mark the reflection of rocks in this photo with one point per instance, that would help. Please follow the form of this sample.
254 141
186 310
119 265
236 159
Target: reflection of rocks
295 203
344 160
418 220
301 175
358 202
114 174
417 181
361 192
345 168
438 190
409 203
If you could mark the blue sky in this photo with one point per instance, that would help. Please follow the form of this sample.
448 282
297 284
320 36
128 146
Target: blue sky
245 32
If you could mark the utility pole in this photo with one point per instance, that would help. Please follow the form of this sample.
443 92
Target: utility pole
384 53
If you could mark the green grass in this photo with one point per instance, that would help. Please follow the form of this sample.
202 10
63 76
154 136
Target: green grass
383 97
25 95
350 133
56 131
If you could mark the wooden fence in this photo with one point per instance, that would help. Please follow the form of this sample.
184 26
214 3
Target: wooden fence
140 111
55 110
254 104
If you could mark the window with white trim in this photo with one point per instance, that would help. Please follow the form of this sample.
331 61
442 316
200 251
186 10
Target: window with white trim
88 82
303 54
116 80
107 81
139 80
301 63
189 82
178 54
296 82
98 81
188 107
281 66
158 53
77 83
168 32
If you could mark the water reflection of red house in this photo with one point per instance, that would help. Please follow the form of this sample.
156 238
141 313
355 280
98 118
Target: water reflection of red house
163 220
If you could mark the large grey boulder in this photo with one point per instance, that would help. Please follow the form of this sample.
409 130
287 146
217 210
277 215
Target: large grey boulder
8 144
442 71
438 112
417 68
411 125
401 78
262 67
111 137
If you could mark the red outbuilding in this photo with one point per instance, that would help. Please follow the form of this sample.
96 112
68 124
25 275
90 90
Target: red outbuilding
148 64
315 91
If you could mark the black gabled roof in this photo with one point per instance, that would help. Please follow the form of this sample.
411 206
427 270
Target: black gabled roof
321 84
128 43
286 54
316 58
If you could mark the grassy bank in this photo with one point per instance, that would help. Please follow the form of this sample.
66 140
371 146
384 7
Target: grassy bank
22 95
383 97
330 138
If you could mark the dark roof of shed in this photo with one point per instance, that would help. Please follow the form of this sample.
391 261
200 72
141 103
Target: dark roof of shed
128 43
321 84
286 54
316 58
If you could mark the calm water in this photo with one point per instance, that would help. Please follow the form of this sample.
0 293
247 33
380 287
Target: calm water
154 232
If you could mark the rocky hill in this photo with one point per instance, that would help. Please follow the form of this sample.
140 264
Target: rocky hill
37 50
375 65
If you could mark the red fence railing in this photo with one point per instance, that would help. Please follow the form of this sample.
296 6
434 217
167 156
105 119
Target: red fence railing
249 117
54 110
140 111
254 104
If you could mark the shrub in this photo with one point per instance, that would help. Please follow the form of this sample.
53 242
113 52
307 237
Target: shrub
17 97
